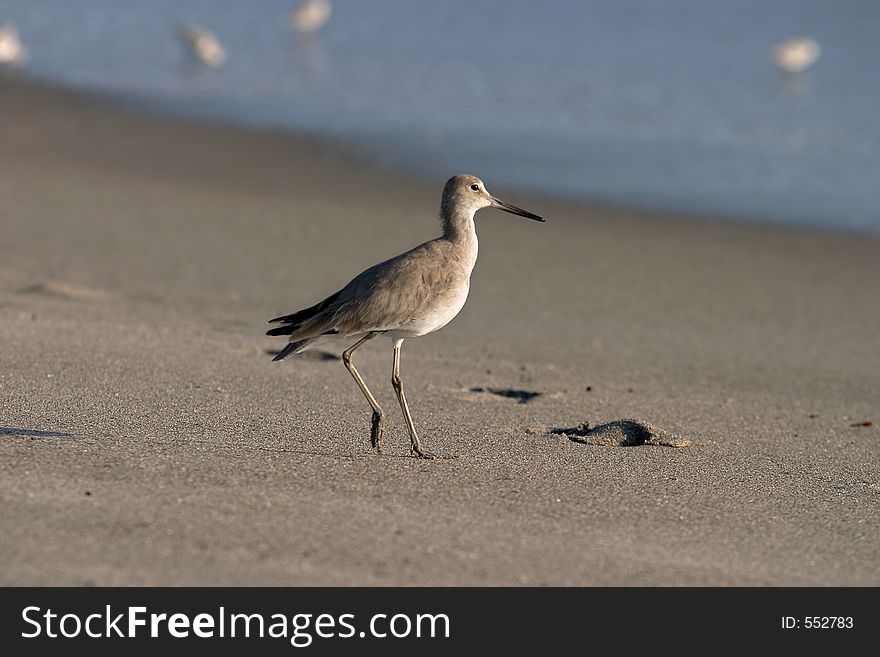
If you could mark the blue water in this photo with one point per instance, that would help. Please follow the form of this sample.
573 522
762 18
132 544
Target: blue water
660 104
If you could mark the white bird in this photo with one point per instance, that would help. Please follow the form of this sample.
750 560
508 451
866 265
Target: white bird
311 15
408 296
796 55
11 49
203 45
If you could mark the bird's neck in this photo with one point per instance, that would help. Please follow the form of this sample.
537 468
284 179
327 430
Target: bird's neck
458 228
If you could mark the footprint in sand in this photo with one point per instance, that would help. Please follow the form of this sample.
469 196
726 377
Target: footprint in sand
62 290
521 396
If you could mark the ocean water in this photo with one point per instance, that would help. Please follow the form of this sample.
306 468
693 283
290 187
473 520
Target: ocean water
666 104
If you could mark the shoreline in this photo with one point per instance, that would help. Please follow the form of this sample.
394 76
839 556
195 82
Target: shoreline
174 112
147 439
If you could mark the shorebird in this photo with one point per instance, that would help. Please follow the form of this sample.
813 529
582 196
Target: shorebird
311 15
203 45
796 55
11 50
408 296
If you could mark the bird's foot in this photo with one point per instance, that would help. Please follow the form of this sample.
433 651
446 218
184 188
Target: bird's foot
420 453
377 431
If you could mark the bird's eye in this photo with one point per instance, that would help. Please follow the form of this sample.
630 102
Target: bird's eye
475 187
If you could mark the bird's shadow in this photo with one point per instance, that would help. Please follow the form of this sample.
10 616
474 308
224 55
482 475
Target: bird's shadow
350 456
33 433
313 355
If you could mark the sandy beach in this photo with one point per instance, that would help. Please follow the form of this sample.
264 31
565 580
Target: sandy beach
147 439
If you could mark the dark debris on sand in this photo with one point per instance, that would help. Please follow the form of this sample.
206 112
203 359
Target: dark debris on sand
622 433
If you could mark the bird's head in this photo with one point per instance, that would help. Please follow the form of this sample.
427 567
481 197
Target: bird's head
467 193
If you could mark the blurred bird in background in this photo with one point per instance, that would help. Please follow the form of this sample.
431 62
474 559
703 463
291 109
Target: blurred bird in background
311 15
203 45
796 55
11 49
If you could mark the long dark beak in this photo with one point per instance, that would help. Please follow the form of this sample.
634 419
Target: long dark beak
512 209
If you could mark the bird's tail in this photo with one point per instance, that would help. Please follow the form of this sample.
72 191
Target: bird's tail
299 319
293 348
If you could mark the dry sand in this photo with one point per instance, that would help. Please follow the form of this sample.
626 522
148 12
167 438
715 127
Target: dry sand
146 437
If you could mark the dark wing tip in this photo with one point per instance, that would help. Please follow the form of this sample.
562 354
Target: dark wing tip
284 353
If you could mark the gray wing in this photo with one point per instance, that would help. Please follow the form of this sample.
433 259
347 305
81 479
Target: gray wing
380 298
393 292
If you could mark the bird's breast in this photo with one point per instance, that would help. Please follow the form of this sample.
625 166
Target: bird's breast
438 312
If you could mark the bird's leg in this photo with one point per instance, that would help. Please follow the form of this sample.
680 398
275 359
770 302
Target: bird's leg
378 427
401 397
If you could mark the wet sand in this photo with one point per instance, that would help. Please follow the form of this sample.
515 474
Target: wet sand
146 438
